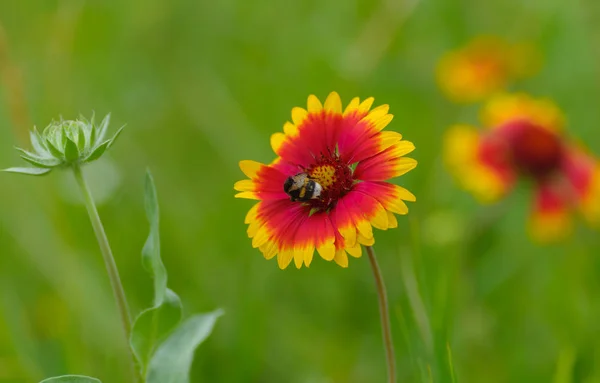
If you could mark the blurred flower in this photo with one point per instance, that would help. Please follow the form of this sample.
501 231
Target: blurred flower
484 66
327 188
65 143
524 140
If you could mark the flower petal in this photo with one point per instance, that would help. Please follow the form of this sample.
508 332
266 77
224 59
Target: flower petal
314 132
389 195
333 103
345 223
583 173
362 208
393 222
313 232
250 168
478 164
266 182
590 204
506 107
314 105
341 258
298 115
284 258
350 221
361 137
550 219
355 251
388 164
273 227
475 71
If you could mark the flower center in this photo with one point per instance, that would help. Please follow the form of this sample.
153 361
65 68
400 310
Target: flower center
334 176
534 150
324 174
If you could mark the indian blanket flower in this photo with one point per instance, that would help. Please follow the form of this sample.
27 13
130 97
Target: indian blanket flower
328 186
524 139
483 67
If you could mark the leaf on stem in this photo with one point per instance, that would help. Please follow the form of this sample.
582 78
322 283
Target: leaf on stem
152 325
37 142
71 151
101 131
114 138
97 152
172 360
151 252
28 171
54 150
71 379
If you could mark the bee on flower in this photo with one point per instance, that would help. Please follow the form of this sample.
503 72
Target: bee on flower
524 140
484 66
328 186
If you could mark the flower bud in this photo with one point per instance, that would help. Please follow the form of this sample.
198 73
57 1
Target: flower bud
66 143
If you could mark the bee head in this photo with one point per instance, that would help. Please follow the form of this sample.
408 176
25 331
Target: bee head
287 185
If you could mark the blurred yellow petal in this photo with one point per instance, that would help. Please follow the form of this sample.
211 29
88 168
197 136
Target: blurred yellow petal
314 104
290 129
352 106
333 103
298 115
364 240
284 258
341 258
355 251
308 255
392 221
277 139
366 105
247 195
327 251
250 168
244 185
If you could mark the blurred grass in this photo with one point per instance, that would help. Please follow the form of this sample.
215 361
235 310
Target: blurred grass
202 85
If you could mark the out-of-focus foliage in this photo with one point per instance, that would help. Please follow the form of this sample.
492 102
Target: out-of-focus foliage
202 85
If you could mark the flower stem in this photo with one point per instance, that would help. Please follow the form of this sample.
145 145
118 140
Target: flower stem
109 260
384 312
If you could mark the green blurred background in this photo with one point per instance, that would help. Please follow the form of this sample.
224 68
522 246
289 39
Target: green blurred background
202 85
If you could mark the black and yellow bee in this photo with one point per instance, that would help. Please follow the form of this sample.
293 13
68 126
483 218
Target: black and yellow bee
302 188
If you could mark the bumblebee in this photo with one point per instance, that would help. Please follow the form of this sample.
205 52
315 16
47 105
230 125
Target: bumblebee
302 188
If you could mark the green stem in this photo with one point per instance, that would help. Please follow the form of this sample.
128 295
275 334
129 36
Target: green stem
109 260
384 312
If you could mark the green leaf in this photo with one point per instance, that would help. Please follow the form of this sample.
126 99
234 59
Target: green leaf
39 164
37 142
54 134
39 161
53 150
172 360
71 151
97 152
81 140
28 171
152 325
71 379
93 131
102 128
151 252
112 140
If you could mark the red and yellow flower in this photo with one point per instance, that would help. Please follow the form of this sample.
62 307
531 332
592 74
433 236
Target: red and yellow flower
351 156
483 67
524 140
